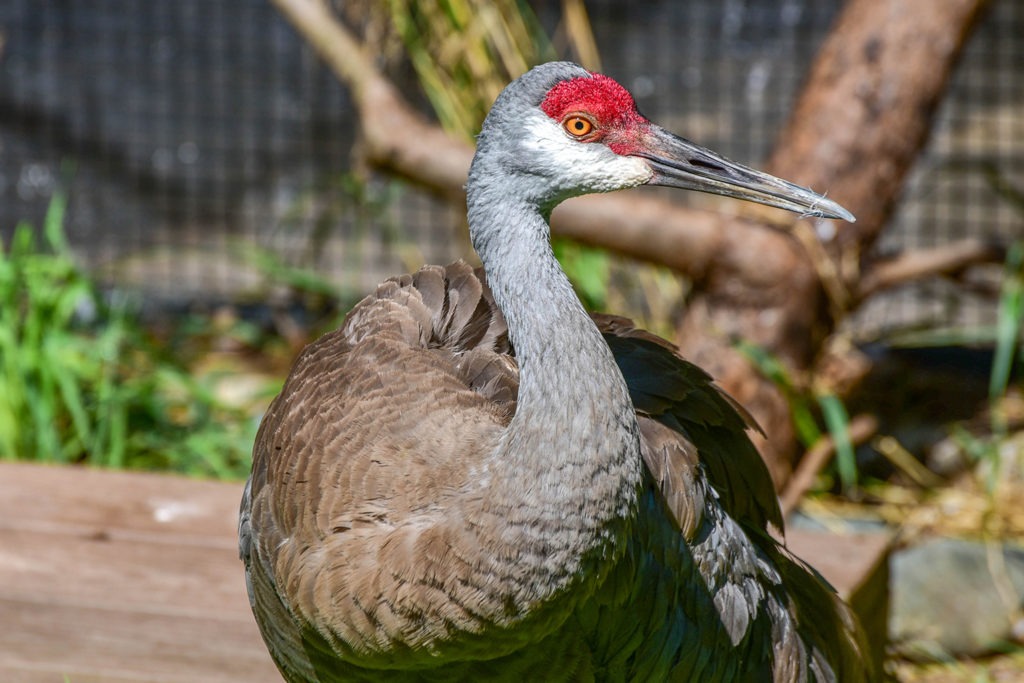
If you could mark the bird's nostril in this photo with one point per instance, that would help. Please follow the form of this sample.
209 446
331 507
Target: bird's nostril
709 165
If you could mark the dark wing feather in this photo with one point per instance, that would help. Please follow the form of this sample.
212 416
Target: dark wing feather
834 629
681 396
707 426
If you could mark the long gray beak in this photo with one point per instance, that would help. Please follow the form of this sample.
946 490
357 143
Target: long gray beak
677 162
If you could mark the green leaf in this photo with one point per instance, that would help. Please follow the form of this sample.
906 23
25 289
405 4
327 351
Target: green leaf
838 422
588 268
1008 323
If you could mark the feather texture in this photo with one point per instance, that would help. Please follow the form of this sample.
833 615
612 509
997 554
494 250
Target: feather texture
330 495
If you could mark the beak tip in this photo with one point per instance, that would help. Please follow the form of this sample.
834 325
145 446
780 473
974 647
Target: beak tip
847 216
831 209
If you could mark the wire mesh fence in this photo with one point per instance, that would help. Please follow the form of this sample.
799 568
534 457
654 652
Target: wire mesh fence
188 133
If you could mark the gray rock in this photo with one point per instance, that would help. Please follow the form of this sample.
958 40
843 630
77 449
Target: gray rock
954 597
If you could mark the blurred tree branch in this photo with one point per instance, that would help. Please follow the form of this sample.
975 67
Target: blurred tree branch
394 136
949 260
858 125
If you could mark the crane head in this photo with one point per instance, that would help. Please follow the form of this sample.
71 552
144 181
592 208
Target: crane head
586 135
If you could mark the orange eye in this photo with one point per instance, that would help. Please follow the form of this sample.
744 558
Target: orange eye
578 126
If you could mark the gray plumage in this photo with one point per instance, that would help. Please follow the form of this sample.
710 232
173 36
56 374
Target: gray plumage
477 480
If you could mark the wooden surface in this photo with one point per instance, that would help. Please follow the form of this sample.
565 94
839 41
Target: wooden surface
118 577
112 576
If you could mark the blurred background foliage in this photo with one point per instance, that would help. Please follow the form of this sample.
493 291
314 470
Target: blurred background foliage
97 374
84 381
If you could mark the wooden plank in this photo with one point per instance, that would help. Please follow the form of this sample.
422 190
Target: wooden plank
116 576
111 572
121 576
42 642
846 560
180 509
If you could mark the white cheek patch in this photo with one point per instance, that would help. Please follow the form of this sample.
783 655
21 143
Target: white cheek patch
632 170
587 166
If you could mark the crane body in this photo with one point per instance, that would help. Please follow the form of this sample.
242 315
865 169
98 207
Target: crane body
475 479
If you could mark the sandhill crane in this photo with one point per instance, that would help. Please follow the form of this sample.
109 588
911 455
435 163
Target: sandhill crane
477 480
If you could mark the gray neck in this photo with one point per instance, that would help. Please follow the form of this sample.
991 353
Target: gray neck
565 475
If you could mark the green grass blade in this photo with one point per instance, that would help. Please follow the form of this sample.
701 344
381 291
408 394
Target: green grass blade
1008 323
800 408
68 395
838 422
53 225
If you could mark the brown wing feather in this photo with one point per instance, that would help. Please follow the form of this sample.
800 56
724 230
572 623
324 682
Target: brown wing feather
320 519
691 428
